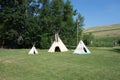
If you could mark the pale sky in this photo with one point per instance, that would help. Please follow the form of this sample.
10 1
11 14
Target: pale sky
98 12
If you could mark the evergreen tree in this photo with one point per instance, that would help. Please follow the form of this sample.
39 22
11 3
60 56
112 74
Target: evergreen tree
45 24
32 33
68 27
57 13
13 21
25 22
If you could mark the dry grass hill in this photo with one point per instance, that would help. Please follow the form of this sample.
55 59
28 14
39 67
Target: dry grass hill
105 31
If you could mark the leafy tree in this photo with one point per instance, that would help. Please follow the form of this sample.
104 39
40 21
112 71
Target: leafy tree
45 24
13 20
68 27
118 42
32 33
25 22
57 11
87 38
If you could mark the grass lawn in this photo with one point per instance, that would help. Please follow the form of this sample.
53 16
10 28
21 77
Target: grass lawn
102 64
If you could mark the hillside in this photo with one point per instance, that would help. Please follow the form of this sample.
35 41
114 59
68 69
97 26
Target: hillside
105 31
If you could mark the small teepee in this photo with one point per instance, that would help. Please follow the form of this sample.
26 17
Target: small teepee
81 49
33 50
58 45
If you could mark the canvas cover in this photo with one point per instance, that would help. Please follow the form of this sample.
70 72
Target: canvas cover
58 45
33 50
81 49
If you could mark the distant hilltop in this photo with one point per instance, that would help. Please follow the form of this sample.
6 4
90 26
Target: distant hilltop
104 31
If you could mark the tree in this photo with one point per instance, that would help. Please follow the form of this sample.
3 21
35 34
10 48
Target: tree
32 33
80 24
12 19
68 27
45 23
56 12
87 38
25 22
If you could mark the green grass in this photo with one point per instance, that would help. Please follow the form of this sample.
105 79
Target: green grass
102 64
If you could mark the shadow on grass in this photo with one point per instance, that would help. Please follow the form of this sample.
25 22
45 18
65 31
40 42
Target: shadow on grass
116 50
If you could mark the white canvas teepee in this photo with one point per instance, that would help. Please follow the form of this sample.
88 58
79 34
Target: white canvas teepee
58 45
33 50
81 49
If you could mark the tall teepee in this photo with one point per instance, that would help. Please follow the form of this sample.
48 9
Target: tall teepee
58 45
81 49
33 50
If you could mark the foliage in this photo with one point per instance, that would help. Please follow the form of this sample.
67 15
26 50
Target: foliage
105 36
13 20
28 22
88 38
118 42
105 42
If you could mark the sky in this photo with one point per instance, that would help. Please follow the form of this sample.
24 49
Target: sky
98 12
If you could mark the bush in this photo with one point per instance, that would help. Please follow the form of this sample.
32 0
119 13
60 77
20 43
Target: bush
87 38
104 42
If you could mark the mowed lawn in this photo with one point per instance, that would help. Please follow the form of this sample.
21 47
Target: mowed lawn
102 64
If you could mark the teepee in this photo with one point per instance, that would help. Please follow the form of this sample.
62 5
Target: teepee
33 50
81 49
58 45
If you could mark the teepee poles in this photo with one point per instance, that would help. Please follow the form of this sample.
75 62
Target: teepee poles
78 23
